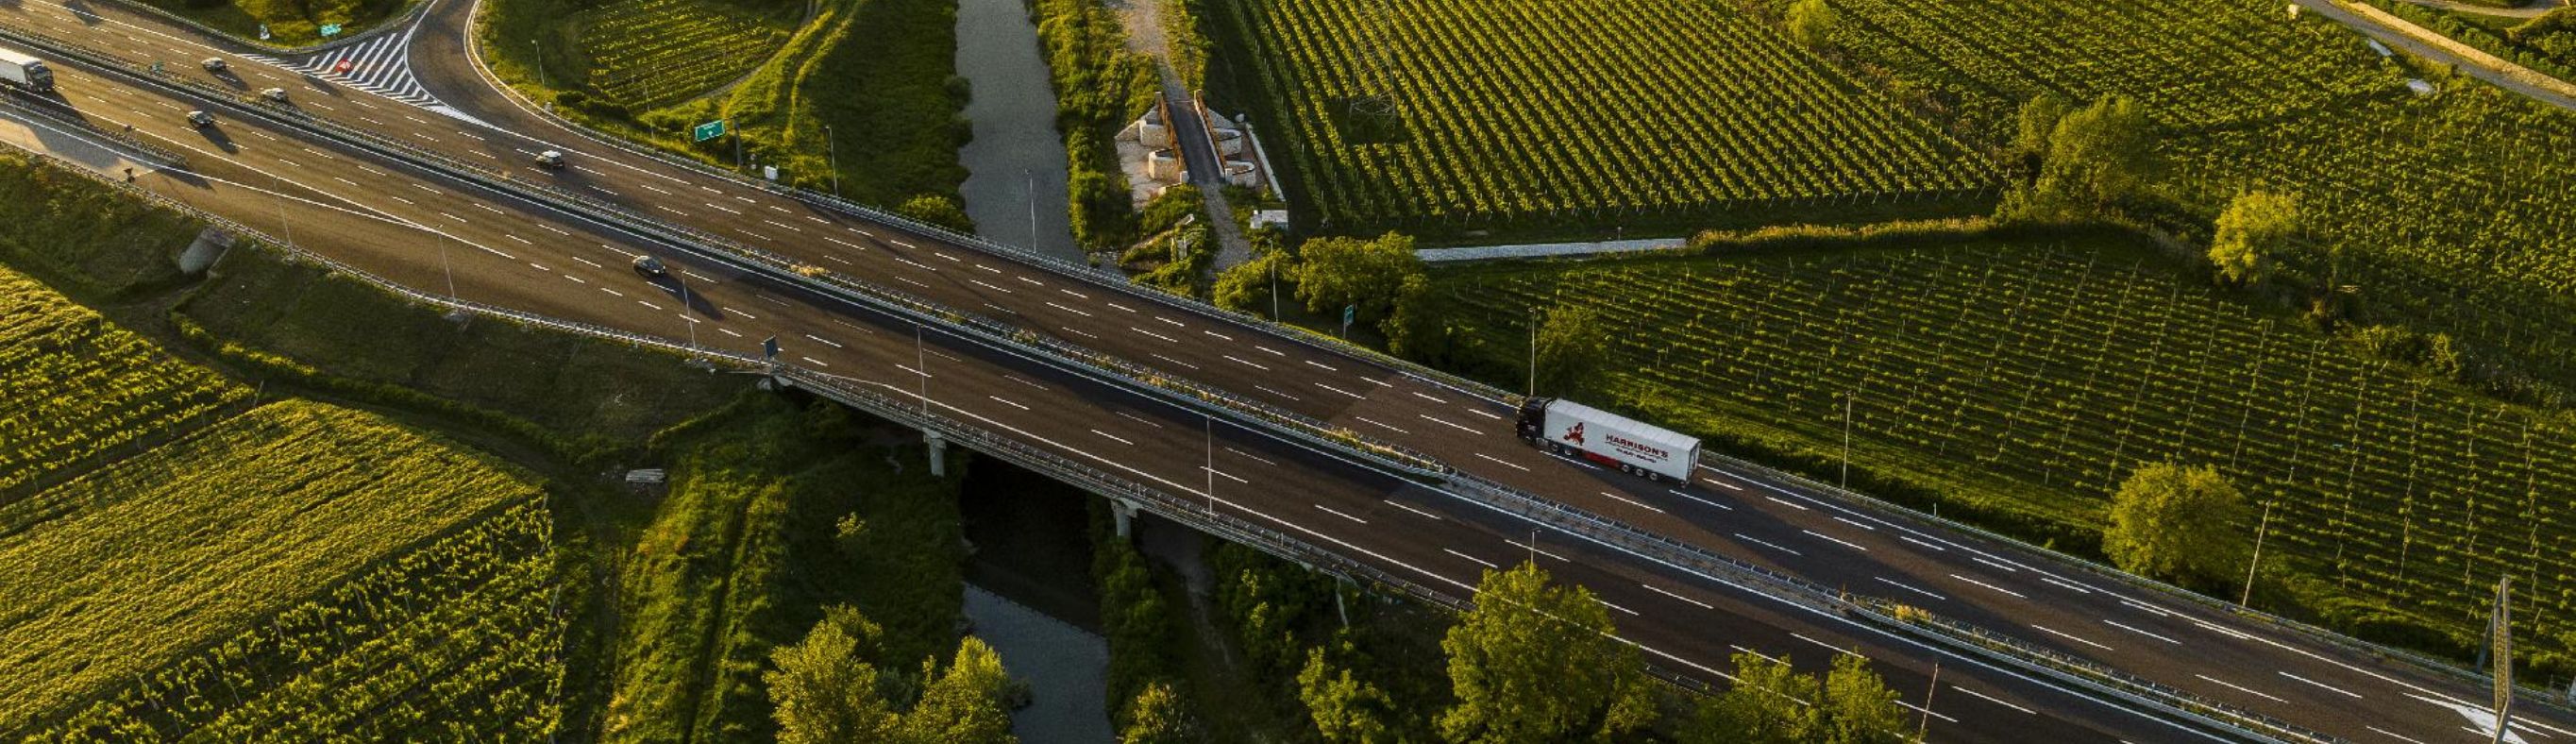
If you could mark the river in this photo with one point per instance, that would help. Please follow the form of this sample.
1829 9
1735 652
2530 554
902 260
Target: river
1015 183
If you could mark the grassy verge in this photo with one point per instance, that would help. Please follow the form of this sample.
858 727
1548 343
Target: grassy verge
872 82
773 513
289 22
1100 86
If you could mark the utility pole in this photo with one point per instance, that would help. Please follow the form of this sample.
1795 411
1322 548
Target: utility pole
282 217
1926 726
1847 417
444 267
2257 562
2500 642
1274 289
1210 423
832 150
1533 352
921 366
686 313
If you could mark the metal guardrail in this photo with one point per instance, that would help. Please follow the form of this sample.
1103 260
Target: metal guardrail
393 22
782 268
1155 382
1917 622
2551 698
124 138
1535 508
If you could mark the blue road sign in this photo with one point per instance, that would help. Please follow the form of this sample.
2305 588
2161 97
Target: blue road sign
769 348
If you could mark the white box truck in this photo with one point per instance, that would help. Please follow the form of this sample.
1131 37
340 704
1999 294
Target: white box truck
25 71
1577 430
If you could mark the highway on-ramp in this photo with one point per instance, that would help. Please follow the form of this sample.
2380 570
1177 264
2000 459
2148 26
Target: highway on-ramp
503 250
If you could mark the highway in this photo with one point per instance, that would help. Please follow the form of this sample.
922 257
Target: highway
506 251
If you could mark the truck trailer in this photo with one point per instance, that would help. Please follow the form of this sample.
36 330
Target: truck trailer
25 71
1577 430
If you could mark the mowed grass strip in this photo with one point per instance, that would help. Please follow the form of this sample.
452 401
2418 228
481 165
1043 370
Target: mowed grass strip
74 386
2025 382
129 568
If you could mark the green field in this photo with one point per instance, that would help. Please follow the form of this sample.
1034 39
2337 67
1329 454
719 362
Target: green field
2194 63
1450 118
74 388
132 568
880 74
2445 213
647 53
2022 382
454 640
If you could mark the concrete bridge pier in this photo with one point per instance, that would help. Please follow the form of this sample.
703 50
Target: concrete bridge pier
938 453
1125 511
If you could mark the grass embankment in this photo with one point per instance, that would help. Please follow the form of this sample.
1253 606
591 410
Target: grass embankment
774 513
873 79
2015 382
290 23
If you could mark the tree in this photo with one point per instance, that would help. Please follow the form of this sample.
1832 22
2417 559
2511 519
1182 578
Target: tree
2176 523
2097 157
2038 121
1812 23
965 704
1858 707
1572 344
2255 232
1245 287
823 689
937 210
1533 662
1155 717
1346 711
1771 703
1340 272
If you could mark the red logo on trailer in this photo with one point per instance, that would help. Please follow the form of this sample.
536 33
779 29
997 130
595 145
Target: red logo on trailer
1575 434
344 66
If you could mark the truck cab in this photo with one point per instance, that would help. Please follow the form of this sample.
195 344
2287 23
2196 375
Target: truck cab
39 78
1533 419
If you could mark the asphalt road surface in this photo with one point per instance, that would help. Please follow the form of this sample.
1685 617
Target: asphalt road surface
426 231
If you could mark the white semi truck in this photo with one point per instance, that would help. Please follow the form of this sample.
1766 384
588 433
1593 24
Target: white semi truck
1577 430
25 71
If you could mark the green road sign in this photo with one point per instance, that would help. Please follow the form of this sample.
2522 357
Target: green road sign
330 29
709 130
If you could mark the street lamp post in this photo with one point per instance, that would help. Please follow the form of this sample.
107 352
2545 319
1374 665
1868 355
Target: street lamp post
1533 352
1210 423
2257 561
540 62
832 149
1033 206
921 367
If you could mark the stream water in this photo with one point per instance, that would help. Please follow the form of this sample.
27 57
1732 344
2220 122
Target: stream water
1015 183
